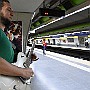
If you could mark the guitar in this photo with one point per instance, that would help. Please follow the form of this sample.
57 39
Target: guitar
18 83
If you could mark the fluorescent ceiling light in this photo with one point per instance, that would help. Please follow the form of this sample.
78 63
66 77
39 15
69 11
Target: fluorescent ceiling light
31 31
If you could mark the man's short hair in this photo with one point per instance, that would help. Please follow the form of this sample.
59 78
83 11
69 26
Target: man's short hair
1 2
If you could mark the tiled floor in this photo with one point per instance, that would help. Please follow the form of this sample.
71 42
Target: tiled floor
59 72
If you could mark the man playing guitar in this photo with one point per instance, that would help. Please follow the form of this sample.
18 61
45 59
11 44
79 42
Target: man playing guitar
6 50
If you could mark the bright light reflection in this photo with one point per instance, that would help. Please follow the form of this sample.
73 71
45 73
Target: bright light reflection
43 80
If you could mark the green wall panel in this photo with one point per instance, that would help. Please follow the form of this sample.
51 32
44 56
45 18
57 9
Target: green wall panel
63 30
37 23
61 7
77 2
44 19
32 27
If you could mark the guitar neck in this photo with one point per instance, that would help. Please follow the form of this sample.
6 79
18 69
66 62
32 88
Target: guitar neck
29 59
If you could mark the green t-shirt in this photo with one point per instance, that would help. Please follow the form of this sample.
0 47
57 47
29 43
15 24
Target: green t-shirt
6 50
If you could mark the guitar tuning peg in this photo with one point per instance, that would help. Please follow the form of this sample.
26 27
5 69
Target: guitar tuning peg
22 56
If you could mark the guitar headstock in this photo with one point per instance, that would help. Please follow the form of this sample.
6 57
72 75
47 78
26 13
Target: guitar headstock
33 46
29 56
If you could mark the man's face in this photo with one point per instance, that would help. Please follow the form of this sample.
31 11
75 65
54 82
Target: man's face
6 13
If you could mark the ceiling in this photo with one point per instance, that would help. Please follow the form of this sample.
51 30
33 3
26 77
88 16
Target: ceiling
25 5
78 18
74 19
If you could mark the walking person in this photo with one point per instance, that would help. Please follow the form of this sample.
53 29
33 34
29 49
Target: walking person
44 46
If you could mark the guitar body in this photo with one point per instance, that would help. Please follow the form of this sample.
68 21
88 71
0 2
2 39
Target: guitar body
14 83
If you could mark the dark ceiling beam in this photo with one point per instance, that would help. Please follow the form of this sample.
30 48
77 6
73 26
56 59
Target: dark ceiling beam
51 3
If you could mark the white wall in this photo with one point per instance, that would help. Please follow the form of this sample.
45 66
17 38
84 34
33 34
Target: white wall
25 18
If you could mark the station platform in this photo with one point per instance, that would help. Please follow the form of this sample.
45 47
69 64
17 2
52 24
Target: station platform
55 71
80 52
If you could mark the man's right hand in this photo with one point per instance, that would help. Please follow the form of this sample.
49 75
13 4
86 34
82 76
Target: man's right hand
27 72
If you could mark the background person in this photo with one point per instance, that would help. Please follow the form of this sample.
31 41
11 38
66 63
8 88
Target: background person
44 46
86 43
